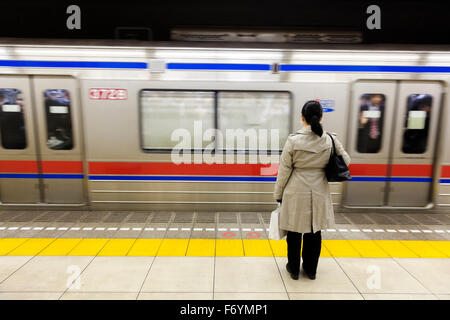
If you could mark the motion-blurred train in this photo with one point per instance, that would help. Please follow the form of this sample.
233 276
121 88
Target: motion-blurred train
91 126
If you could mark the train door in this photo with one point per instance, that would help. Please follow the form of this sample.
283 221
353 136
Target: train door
392 146
60 143
53 170
19 174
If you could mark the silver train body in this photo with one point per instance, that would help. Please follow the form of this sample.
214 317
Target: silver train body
116 103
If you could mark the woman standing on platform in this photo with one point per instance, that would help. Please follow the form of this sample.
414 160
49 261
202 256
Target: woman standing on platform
303 191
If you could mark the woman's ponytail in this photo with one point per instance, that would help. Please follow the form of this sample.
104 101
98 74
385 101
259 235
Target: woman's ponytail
316 127
312 112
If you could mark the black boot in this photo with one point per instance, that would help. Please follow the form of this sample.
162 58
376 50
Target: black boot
293 275
310 275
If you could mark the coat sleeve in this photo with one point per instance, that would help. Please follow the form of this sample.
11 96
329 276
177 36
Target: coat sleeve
340 151
284 170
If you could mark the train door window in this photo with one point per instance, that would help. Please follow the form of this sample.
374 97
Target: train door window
370 122
12 125
417 122
176 119
262 114
59 123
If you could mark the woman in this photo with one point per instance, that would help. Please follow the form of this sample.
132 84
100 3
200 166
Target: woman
302 189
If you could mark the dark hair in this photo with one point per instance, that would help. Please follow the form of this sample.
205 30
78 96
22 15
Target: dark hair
312 112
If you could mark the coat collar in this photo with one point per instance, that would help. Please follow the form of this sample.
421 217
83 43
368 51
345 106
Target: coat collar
310 141
305 130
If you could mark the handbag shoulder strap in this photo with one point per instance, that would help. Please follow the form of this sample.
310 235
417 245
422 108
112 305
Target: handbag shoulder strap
332 140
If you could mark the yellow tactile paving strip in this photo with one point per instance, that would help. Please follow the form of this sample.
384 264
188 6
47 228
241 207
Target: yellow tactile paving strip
217 247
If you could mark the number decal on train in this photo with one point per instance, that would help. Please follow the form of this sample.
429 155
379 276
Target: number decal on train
108 94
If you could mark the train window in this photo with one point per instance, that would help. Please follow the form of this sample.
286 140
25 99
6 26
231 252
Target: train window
256 113
12 125
370 122
59 123
417 121
170 118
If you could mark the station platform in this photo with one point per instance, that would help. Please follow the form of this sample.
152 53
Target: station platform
217 255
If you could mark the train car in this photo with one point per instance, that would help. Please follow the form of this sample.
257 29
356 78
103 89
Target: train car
94 126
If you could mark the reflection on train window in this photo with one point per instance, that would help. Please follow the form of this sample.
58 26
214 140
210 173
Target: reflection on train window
168 119
370 122
256 113
59 124
12 125
417 122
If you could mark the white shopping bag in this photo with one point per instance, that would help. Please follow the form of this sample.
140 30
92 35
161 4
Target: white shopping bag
275 233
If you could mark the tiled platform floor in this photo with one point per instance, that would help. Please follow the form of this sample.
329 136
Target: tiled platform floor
221 255
228 278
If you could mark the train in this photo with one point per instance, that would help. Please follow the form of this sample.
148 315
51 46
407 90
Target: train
93 125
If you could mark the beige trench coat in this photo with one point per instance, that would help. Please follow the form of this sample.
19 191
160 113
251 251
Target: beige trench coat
301 182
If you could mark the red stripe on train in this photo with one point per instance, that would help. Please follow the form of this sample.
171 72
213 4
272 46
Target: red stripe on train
397 170
412 170
445 172
62 167
17 166
243 169
26 166
162 168
376 170
13 166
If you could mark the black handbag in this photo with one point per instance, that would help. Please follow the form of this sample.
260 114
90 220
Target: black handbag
336 169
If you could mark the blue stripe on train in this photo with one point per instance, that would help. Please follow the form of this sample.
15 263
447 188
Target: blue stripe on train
43 176
194 178
219 66
183 178
267 179
20 175
222 66
393 179
369 179
73 64
62 176
350 68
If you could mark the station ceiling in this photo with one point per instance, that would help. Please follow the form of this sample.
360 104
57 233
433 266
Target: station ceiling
421 22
